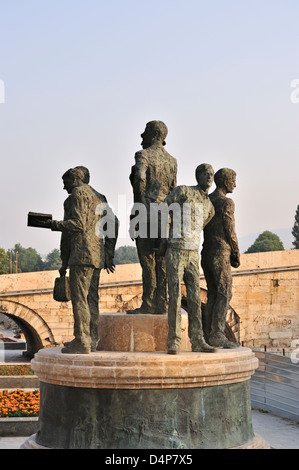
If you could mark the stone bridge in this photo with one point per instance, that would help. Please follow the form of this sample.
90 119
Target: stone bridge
263 311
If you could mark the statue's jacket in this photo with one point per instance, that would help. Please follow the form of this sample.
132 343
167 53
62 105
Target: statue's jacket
195 212
153 176
80 240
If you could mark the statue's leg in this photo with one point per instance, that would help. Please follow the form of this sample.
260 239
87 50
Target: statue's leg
80 279
160 298
146 255
93 302
175 269
223 277
191 279
207 313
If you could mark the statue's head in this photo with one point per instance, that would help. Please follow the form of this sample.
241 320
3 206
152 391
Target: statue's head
86 173
225 178
72 178
155 133
204 175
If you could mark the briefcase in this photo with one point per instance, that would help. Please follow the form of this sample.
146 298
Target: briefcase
62 291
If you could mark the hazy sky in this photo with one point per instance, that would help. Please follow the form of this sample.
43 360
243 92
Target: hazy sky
82 78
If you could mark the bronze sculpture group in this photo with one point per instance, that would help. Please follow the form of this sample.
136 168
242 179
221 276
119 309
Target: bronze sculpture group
167 240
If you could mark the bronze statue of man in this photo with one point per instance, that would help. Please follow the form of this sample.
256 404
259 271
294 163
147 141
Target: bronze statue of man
191 210
153 177
220 251
83 251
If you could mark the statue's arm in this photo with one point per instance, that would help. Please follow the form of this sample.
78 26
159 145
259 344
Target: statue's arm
64 252
138 176
76 217
174 201
110 241
229 227
174 179
210 214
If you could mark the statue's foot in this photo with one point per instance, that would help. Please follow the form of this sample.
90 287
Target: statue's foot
173 351
173 348
202 346
221 341
74 347
70 343
93 347
160 310
140 311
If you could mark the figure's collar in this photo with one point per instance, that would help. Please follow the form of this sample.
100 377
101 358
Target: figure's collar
203 193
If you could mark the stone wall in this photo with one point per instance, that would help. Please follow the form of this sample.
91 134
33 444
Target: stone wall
265 296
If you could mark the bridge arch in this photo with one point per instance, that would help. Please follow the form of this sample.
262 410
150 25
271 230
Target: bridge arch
37 333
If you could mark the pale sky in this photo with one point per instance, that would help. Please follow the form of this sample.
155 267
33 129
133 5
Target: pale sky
82 78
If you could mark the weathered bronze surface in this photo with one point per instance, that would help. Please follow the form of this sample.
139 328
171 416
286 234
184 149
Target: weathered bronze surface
220 252
36 219
85 251
152 177
182 257
198 418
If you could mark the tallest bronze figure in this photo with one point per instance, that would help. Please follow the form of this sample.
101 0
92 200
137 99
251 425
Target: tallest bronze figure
153 177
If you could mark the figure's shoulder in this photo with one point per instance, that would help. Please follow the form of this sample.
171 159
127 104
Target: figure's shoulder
179 193
67 201
141 154
229 203
100 196
79 191
229 200
85 190
221 202
181 189
217 197
169 158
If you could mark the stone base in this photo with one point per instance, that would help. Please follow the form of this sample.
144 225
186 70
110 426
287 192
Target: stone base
144 370
137 333
256 443
145 400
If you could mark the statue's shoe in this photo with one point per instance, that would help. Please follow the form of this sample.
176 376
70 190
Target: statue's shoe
73 347
220 341
202 346
140 311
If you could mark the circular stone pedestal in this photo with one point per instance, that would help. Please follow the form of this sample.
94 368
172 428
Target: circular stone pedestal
145 400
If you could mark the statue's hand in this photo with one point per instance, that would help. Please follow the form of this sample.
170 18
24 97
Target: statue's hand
132 232
235 260
109 265
110 268
62 271
45 223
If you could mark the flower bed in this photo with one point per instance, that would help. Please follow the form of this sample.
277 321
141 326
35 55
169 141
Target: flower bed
4 339
23 369
18 403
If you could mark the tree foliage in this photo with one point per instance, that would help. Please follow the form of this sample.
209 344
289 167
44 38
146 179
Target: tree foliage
126 255
53 260
266 241
295 230
4 262
25 259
